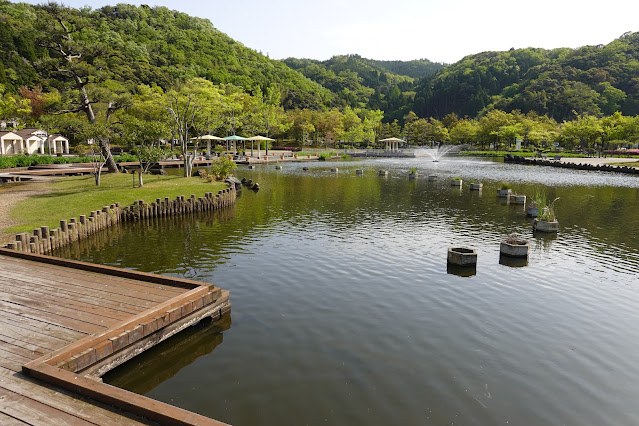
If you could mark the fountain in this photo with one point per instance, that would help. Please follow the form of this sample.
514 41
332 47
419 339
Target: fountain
435 153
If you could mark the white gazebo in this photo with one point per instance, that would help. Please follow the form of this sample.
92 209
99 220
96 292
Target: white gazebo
208 139
392 144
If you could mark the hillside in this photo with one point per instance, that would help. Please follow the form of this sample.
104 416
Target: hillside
154 45
563 83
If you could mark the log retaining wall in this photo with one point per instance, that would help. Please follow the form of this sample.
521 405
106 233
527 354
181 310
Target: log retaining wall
44 240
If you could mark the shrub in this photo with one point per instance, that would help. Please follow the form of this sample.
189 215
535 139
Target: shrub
222 167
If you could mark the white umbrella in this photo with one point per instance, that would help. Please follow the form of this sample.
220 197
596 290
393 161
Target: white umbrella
208 139
259 139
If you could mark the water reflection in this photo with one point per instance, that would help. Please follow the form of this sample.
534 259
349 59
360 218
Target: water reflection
345 314
158 364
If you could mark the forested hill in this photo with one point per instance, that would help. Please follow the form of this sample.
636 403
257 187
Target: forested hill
367 83
563 83
154 45
417 68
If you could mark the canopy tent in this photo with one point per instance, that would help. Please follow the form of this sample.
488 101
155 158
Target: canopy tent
233 138
208 139
392 144
259 139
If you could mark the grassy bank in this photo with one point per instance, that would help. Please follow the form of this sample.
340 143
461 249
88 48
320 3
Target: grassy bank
75 196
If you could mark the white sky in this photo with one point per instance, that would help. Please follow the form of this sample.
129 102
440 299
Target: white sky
441 31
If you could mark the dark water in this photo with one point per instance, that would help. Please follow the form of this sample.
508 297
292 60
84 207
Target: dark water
343 312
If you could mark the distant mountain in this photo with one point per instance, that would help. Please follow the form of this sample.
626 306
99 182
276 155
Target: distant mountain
563 83
416 69
367 83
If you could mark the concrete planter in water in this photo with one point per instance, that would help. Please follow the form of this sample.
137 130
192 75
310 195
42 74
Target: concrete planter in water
251 167
278 167
305 169
335 170
504 193
517 248
476 186
462 256
543 226
456 183
359 172
383 172
517 199
532 210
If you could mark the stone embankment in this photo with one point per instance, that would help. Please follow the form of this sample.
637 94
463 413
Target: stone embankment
573 164
45 240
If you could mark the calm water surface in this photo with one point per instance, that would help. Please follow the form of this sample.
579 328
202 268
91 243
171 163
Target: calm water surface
344 313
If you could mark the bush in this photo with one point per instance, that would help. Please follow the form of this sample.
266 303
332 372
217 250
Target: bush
222 167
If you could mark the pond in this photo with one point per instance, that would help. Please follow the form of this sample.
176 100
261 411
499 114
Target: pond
344 313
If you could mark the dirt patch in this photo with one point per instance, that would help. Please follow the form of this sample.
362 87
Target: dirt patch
10 194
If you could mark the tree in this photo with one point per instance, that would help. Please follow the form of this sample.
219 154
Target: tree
145 140
77 58
183 107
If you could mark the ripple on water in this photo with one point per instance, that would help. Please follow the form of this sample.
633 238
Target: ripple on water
344 313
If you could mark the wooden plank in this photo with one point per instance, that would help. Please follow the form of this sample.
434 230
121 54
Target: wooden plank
50 307
129 324
131 303
99 282
26 353
34 337
12 361
111 361
138 404
54 330
46 271
60 320
12 341
70 403
103 269
85 304
6 420
34 412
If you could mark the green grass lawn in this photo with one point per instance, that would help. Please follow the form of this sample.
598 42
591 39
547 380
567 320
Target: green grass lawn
78 195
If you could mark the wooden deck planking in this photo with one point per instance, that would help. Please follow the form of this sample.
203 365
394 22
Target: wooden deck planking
78 292
6 420
29 324
46 309
85 410
79 302
87 279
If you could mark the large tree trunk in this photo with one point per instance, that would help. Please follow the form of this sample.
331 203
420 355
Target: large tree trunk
188 164
110 162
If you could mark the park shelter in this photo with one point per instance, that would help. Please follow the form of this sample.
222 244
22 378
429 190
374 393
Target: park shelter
259 139
31 141
59 144
392 144
10 143
208 139
234 139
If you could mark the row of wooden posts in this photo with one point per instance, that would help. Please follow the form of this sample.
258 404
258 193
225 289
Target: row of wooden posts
45 240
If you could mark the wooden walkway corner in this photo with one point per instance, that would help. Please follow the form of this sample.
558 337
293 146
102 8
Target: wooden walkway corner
67 323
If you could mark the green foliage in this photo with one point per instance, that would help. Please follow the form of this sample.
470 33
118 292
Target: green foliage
562 83
413 170
547 211
222 167
505 185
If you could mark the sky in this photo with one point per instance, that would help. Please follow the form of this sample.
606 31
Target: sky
440 31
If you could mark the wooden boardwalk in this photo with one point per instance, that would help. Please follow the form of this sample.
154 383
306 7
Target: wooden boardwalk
68 322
